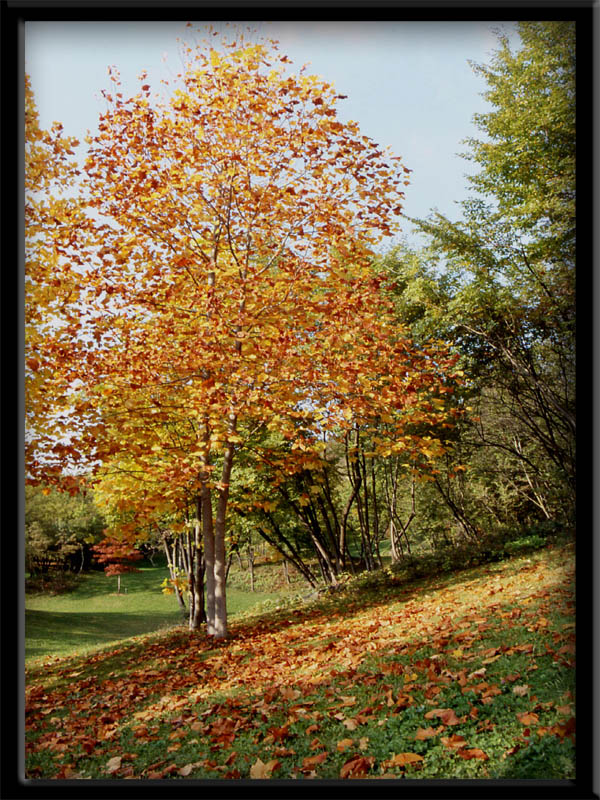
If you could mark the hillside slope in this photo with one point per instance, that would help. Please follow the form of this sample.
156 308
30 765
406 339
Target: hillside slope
465 676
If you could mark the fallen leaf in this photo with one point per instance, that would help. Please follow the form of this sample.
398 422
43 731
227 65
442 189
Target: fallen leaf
289 694
344 744
521 691
562 729
283 751
185 771
473 753
454 742
113 765
528 718
564 709
402 759
312 761
479 673
347 701
279 734
260 770
425 733
446 715
357 767
257 770
490 660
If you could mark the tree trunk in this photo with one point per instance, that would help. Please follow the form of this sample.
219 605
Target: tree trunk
291 553
208 534
118 584
251 566
220 625
197 575
172 563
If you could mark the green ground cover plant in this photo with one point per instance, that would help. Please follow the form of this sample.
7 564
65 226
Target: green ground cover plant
459 676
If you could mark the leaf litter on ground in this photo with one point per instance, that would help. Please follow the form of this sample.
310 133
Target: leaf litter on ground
469 675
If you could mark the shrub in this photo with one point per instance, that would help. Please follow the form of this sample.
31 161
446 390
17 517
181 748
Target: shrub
52 583
525 544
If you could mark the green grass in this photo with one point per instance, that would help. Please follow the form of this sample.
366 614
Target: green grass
95 616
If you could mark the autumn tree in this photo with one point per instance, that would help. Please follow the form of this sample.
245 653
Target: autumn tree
228 285
53 219
118 557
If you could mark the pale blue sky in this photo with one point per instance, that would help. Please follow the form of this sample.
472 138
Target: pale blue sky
409 84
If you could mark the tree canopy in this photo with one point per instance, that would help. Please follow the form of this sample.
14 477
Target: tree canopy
227 287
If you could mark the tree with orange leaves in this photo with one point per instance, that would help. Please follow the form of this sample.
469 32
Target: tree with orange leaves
117 556
228 284
53 217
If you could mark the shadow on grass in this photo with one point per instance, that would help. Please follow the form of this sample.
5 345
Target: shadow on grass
76 630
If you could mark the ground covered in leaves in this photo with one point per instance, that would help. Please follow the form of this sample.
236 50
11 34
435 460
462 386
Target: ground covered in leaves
463 676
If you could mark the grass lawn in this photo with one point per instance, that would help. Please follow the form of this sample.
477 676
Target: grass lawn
463 676
94 615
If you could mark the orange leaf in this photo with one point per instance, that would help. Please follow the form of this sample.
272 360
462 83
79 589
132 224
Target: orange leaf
344 744
446 715
473 753
289 694
455 741
357 767
564 709
279 734
402 759
563 729
312 761
425 733
528 718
